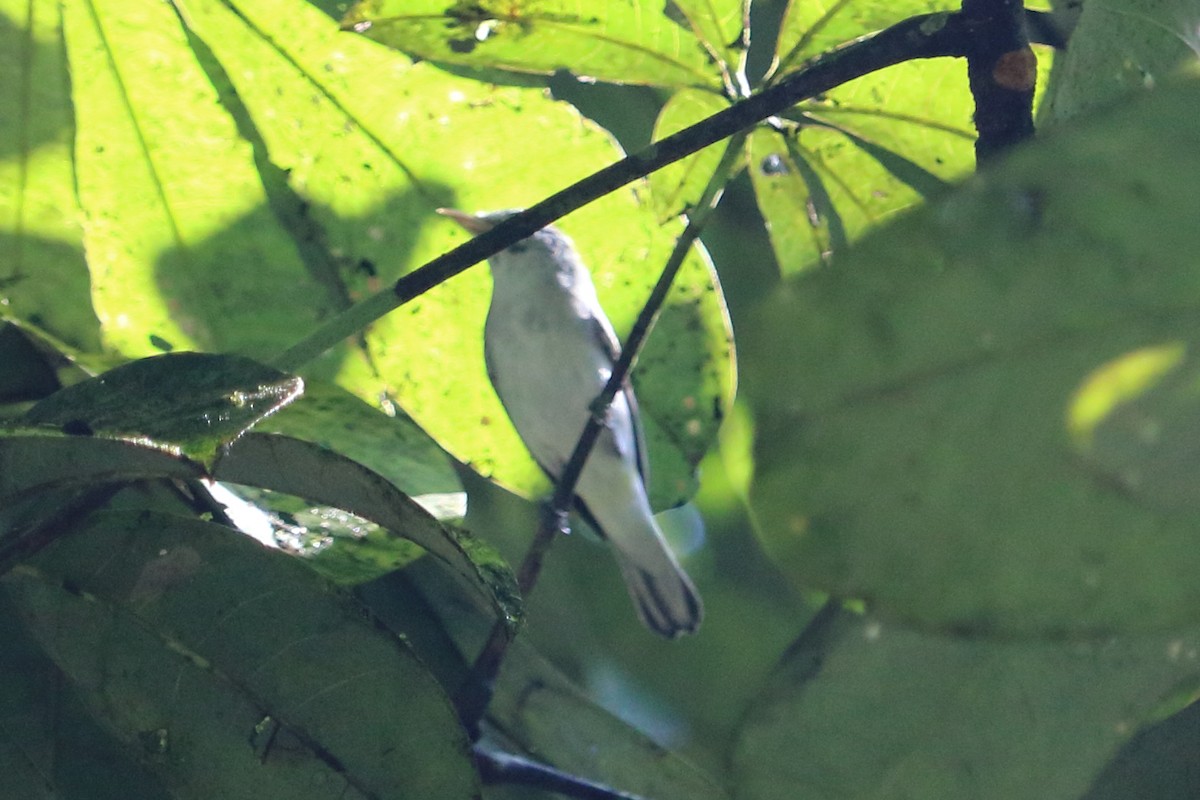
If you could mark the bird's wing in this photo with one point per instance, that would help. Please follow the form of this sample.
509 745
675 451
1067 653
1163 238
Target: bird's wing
603 333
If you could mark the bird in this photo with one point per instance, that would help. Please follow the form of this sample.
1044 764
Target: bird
549 350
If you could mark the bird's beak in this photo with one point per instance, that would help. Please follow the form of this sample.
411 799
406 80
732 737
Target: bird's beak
471 222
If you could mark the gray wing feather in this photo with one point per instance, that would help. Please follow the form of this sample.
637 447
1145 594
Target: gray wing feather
608 341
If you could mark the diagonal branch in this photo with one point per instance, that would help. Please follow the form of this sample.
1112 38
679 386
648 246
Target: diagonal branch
922 36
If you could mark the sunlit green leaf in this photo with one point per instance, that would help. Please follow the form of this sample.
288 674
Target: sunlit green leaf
619 42
677 187
183 250
849 160
812 28
490 144
915 407
716 23
42 272
430 352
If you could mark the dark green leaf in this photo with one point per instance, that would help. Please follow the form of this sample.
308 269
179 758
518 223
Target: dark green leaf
304 469
392 446
868 710
193 402
50 747
34 460
199 648
912 406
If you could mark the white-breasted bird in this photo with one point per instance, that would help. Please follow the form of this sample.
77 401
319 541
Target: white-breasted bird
550 350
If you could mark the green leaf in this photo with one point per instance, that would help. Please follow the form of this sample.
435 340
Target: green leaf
864 709
617 42
35 460
716 23
50 748
1120 47
549 715
811 28
1159 762
371 107
43 276
183 249
392 446
325 106
303 469
915 443
342 547
27 374
193 402
677 187
684 377
1133 418
543 711
849 160
198 647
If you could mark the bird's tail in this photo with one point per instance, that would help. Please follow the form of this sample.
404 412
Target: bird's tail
665 598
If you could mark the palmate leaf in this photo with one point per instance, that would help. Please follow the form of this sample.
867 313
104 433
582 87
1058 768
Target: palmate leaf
846 162
933 432
177 216
645 43
42 270
323 161
677 187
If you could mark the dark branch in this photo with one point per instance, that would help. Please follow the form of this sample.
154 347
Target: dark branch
1002 71
1044 28
923 36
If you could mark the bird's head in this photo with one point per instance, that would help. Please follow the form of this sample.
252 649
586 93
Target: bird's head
549 247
